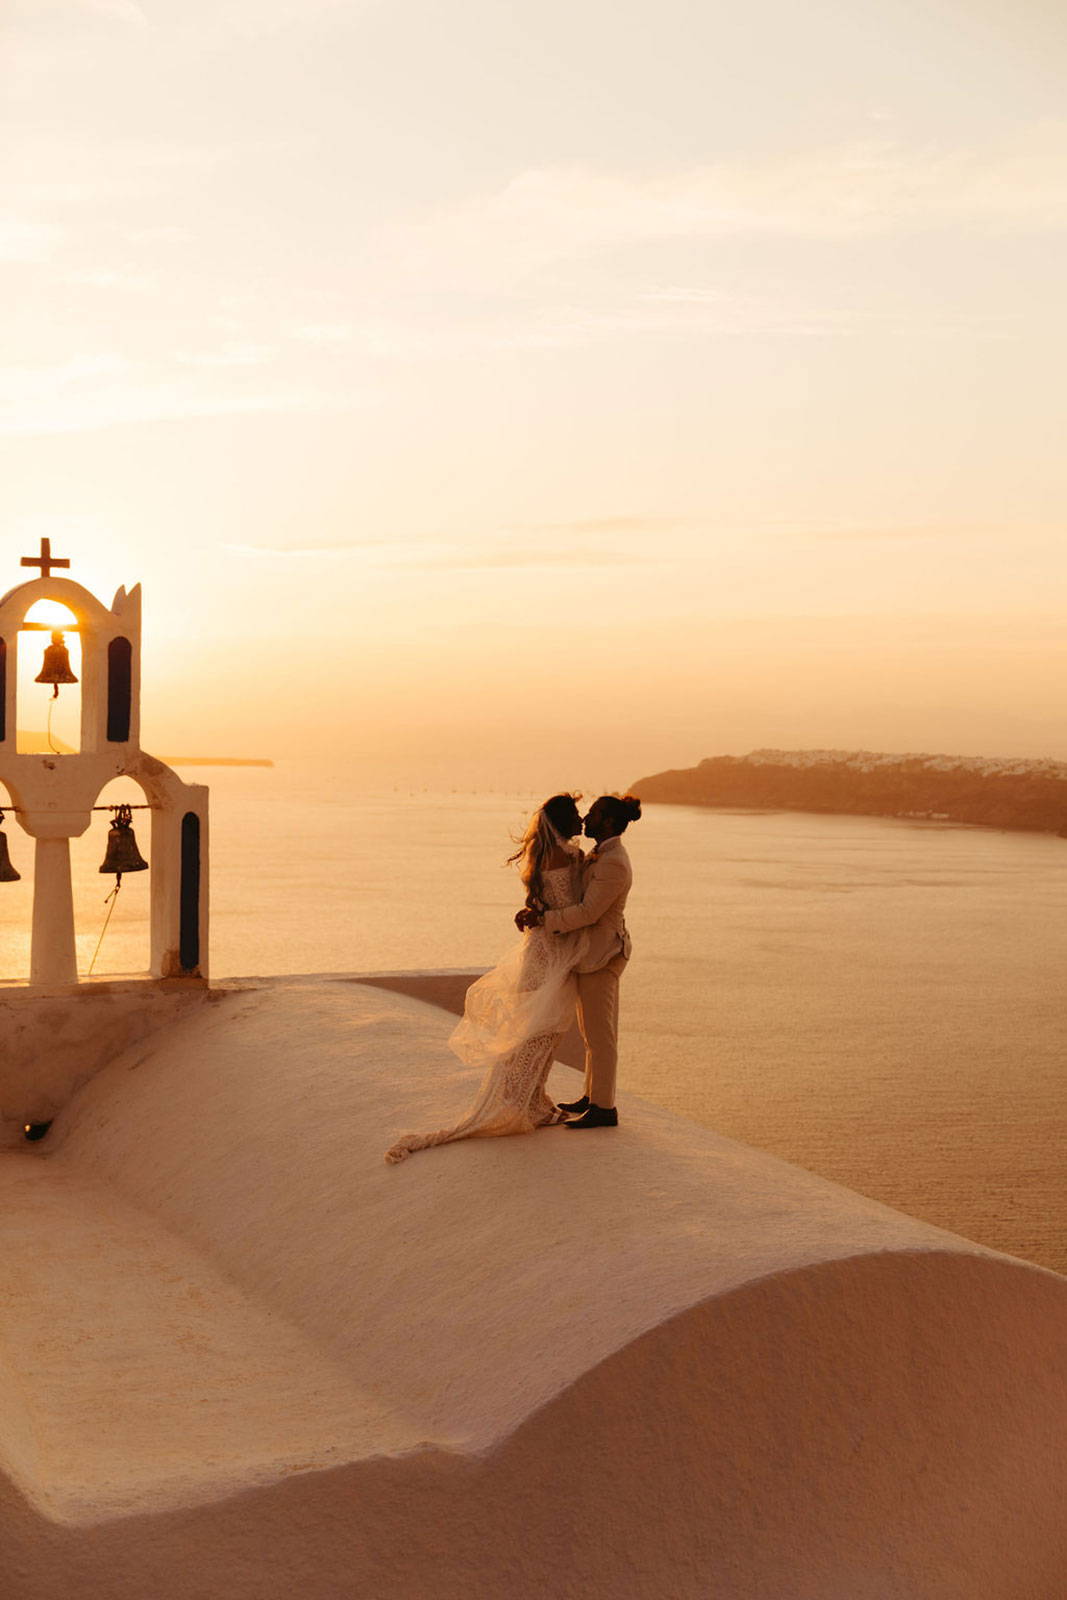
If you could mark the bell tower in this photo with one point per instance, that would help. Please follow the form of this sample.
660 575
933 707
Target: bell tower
54 795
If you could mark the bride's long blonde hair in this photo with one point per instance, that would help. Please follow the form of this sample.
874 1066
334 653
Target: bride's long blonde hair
554 823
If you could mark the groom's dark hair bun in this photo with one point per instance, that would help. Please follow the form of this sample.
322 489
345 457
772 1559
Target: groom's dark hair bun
621 808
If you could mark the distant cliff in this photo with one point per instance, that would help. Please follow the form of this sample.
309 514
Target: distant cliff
992 792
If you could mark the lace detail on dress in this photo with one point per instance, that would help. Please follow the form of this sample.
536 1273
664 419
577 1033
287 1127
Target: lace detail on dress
513 1020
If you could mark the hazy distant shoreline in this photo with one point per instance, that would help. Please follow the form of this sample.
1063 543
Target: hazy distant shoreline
215 761
992 792
37 744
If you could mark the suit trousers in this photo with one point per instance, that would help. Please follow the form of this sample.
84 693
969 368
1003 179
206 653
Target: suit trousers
598 1019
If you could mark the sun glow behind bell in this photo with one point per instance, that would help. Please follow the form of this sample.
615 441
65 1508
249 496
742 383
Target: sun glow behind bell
52 614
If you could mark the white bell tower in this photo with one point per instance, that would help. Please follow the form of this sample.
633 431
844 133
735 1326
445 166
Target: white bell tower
53 795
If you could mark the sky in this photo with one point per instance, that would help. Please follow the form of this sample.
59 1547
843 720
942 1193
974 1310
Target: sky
544 394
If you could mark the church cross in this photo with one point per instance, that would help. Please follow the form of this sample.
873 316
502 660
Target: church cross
46 560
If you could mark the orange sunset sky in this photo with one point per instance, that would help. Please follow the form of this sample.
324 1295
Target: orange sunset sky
517 393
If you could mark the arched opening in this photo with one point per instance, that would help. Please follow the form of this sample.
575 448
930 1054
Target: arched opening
16 897
48 723
3 690
125 948
119 690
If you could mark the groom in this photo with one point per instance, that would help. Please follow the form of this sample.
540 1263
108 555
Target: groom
606 879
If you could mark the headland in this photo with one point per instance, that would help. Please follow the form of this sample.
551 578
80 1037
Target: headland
986 791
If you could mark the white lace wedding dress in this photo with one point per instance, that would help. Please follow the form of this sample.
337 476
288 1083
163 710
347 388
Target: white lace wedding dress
513 1020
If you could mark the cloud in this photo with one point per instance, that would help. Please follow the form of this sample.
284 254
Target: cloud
552 215
480 554
37 382
324 332
127 13
229 355
100 173
542 320
218 20
23 240
105 390
617 525
1003 534
641 526
165 233
902 534
531 557
124 279
237 21
306 551
569 255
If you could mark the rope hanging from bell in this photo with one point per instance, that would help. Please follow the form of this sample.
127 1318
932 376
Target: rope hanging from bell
7 871
122 855
56 667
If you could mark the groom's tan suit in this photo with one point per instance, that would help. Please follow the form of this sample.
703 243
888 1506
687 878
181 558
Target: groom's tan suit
606 879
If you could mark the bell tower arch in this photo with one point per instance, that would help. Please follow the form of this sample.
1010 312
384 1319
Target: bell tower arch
53 795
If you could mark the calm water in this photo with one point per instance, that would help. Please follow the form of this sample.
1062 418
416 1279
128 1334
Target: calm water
878 1001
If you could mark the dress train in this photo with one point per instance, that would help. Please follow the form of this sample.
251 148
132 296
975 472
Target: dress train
513 1020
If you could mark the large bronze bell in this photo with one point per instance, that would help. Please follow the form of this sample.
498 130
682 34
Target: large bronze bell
7 871
56 666
122 853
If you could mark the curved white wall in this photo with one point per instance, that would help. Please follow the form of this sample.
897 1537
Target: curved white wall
647 1362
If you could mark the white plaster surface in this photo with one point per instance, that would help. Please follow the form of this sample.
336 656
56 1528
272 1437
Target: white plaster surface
53 1041
241 1357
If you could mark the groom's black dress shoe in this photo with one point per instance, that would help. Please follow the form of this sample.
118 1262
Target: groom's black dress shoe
596 1117
574 1105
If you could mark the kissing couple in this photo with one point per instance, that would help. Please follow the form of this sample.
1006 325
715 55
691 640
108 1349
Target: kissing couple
573 952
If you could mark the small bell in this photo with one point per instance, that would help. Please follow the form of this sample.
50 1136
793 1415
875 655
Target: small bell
122 854
56 666
7 871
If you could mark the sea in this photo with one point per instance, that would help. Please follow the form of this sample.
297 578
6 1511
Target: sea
878 1001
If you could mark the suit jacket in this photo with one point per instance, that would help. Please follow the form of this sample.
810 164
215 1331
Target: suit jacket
606 879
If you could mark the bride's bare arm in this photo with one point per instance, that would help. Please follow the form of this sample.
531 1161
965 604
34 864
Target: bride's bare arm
557 858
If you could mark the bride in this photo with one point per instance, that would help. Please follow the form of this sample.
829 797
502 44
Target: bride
515 1016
